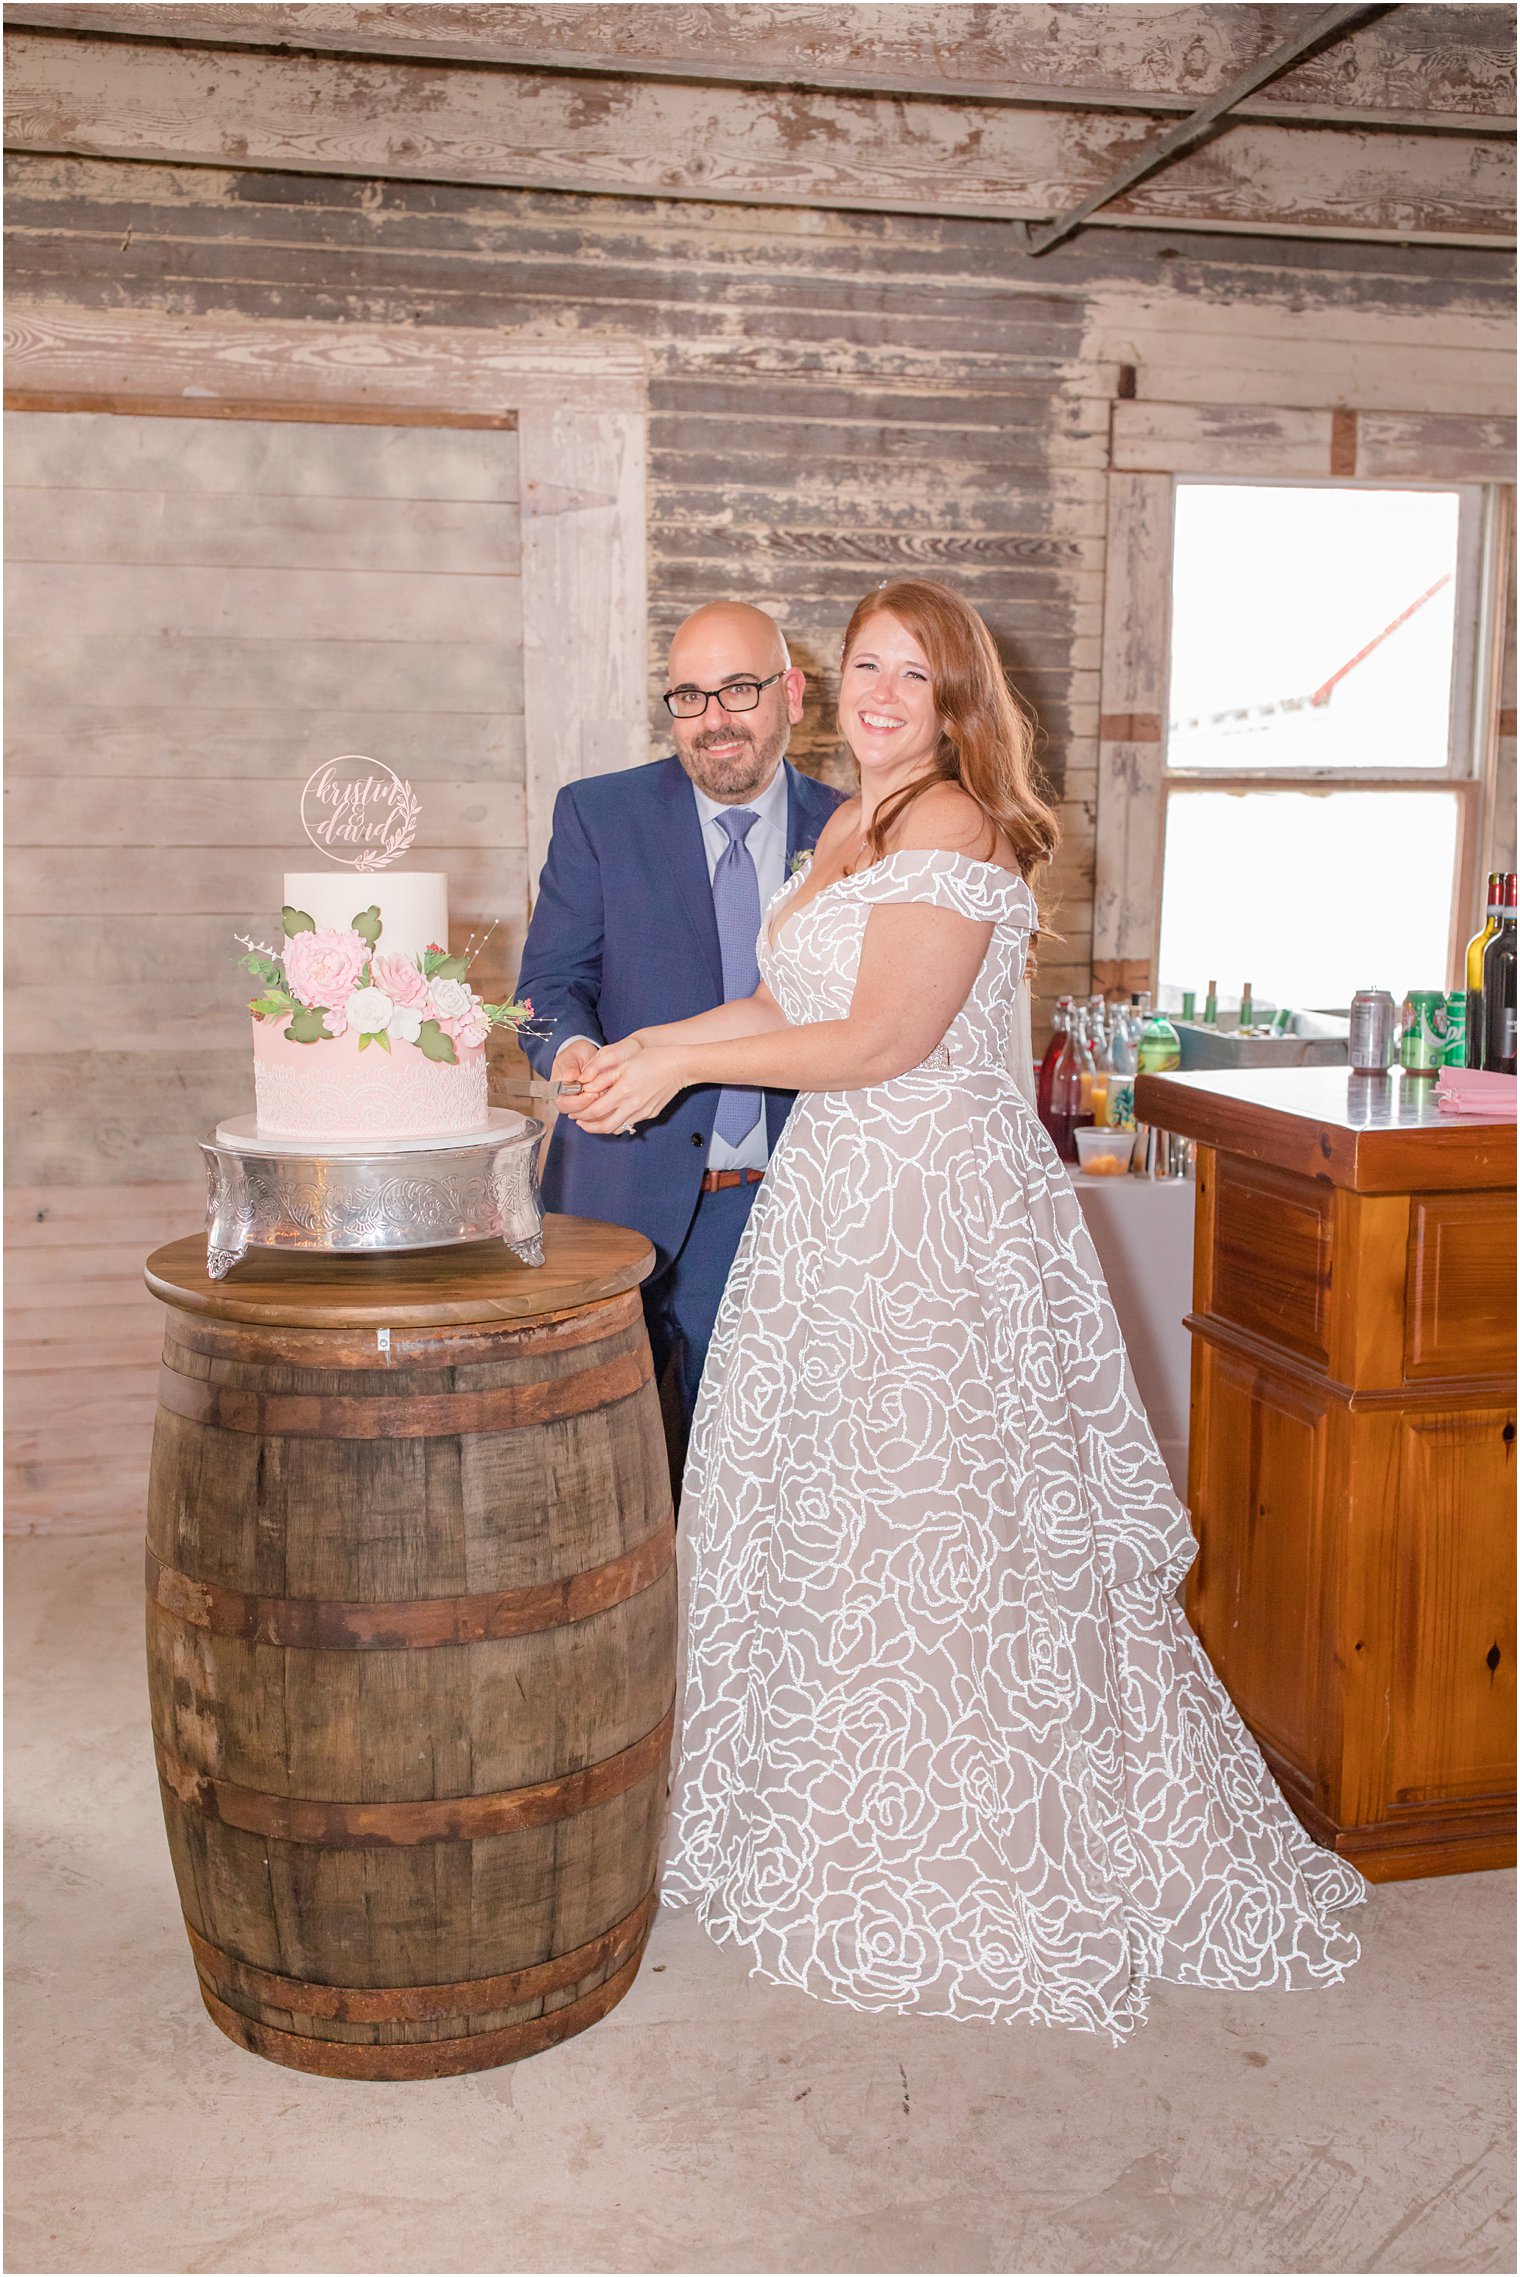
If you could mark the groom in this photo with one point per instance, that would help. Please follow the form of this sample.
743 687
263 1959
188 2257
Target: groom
647 911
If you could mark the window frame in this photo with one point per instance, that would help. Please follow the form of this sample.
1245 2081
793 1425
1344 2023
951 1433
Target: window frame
1156 446
1477 529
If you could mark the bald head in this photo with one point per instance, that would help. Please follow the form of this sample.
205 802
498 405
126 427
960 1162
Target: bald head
733 755
729 626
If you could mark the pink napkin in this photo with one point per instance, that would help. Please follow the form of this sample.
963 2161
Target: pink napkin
1474 1091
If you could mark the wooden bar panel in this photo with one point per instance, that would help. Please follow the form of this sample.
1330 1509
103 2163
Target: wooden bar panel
1451 1738
1352 1471
1259 1460
1272 1256
1460 1303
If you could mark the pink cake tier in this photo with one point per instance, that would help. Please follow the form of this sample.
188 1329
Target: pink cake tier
331 1090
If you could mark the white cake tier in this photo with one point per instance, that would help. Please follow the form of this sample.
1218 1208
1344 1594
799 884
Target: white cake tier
334 1091
413 904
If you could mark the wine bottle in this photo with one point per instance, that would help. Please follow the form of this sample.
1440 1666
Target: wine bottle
1499 989
1211 1006
1247 1019
1493 910
1060 1021
1071 1089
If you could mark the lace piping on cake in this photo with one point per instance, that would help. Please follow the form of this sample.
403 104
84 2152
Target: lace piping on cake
425 1098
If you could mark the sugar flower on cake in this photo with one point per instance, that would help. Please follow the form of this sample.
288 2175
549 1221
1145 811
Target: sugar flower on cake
328 983
325 966
369 1011
451 999
471 1027
403 980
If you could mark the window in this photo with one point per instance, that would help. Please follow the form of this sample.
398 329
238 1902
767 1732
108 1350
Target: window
1319 799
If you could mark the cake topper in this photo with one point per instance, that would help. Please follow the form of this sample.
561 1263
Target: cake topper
359 804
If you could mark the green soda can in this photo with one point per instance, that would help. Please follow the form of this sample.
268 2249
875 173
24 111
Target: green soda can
1456 1028
1422 1048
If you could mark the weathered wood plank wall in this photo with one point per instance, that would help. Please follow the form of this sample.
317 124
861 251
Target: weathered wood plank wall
201 612
834 397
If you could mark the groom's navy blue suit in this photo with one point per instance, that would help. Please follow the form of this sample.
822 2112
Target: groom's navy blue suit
624 936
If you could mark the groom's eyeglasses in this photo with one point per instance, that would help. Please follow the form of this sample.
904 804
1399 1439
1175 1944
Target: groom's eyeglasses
734 696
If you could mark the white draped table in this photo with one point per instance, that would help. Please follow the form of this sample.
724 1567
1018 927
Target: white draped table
1143 1231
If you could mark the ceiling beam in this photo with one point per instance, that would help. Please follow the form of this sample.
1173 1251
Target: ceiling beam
634 138
1317 31
1440 66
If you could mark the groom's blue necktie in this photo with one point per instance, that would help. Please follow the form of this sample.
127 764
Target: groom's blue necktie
736 903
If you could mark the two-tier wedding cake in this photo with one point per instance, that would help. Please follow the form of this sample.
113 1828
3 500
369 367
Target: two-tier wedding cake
366 1027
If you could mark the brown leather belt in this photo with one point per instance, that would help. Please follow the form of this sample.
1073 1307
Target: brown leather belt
717 1181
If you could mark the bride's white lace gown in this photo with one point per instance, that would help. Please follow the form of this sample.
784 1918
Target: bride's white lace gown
948 1743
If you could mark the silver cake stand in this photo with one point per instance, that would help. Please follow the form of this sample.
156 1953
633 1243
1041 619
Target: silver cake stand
361 1198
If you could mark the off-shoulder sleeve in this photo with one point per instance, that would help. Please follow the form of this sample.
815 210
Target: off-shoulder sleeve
950 881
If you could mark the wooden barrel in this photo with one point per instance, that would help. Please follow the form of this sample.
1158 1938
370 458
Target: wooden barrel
411 1645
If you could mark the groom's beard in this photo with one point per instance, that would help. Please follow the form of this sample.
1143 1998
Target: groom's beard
740 774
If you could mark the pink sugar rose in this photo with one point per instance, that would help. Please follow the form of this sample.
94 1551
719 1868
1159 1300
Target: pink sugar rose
401 979
324 967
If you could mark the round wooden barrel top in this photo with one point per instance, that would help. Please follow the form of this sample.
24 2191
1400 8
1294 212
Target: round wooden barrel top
584 1261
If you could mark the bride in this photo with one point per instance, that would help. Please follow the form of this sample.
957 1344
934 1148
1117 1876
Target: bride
948 1744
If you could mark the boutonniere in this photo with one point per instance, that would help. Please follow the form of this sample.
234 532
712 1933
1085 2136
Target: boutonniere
800 860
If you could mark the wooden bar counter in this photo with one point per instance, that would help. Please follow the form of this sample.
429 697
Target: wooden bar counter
1351 1467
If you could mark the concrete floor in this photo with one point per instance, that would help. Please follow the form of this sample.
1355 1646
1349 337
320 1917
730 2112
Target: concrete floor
711 2122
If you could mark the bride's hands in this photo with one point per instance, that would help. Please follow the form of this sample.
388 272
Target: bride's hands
611 1056
627 1083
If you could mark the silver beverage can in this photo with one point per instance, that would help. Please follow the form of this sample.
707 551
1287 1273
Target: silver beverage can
1369 1047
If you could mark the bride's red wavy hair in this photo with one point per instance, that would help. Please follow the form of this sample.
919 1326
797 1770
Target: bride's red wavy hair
987 739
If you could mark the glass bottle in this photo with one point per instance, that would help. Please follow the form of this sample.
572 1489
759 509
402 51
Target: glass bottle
1499 989
1189 1004
1211 1006
1121 1062
1247 1019
1160 1046
1060 1021
1071 1089
1493 912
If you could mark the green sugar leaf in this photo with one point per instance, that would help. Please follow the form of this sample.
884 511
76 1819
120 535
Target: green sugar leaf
447 968
367 924
307 1026
376 1036
433 1043
274 1004
296 921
